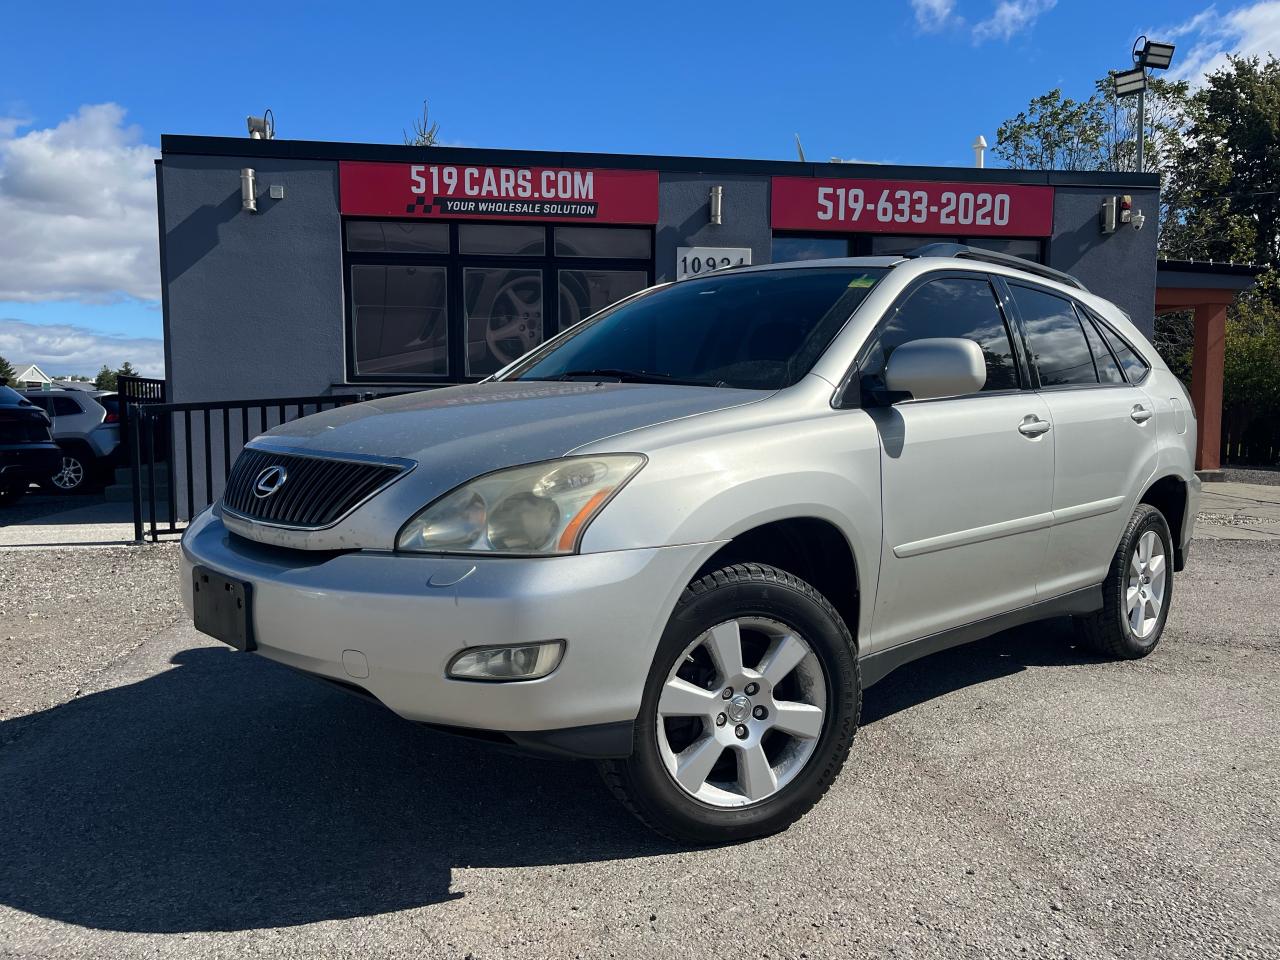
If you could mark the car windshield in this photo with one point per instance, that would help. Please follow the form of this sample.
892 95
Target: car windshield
760 330
12 398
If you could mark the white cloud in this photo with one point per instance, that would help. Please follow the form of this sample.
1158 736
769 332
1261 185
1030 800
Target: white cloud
1009 18
77 210
932 15
61 349
1205 40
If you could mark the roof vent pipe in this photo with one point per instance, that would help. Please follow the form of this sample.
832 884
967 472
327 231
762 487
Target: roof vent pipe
979 152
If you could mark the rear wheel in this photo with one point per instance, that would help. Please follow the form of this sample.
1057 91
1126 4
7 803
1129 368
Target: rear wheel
1137 592
748 712
76 474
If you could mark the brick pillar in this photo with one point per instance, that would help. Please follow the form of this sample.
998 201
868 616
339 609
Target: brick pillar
1206 382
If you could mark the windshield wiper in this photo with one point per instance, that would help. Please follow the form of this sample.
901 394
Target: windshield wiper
630 376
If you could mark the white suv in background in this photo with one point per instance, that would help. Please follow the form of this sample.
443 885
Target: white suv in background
683 536
86 425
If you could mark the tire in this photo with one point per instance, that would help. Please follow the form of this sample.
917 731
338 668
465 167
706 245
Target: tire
78 475
1118 631
803 737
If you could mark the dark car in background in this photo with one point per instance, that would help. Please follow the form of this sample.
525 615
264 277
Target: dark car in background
28 453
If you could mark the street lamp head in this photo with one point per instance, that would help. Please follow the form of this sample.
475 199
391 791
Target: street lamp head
1129 82
1152 54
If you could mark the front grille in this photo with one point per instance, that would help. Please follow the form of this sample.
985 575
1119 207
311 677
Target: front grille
317 491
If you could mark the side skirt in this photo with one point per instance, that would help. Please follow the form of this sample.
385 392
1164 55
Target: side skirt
876 666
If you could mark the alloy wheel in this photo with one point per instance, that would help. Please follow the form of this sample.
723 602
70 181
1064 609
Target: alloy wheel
70 476
741 712
1148 572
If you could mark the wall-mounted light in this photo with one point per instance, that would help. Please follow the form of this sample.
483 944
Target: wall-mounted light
715 204
248 190
1107 216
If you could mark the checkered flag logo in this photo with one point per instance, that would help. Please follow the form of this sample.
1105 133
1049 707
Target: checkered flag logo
419 205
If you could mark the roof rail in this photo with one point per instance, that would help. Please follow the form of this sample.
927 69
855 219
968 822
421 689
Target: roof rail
964 252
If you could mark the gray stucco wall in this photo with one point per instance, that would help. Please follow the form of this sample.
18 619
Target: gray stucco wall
1120 266
683 209
255 304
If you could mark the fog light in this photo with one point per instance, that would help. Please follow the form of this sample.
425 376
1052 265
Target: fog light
527 661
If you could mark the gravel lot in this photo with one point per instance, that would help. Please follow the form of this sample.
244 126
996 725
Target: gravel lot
1015 798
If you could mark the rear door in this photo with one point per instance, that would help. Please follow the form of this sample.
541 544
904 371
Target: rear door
1103 437
966 481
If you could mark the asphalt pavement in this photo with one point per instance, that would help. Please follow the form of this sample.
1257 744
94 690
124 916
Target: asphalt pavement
1014 798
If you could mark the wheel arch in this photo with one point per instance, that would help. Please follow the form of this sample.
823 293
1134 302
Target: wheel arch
1168 494
812 548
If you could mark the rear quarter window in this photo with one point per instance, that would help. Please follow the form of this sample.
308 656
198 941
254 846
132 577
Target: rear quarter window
1135 368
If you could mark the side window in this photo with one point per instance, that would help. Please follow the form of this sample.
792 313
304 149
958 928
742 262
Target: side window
1108 369
65 407
1058 347
948 307
1135 367
42 402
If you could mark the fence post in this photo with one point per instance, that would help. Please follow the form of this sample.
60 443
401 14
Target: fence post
135 458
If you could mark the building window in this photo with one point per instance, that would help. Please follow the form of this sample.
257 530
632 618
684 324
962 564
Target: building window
400 320
792 247
608 242
448 302
584 292
511 240
789 249
503 310
397 236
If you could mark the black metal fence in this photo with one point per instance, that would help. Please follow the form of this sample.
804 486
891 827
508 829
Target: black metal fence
182 453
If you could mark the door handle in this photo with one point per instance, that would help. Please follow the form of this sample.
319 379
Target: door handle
1033 426
1139 413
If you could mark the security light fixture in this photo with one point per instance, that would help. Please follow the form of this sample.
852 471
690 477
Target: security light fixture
263 127
248 190
1130 82
715 204
1153 54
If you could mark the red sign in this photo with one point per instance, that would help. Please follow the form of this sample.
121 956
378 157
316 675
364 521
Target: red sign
912 206
458 191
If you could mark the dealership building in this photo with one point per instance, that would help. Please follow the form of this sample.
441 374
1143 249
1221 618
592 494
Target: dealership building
303 269
300 268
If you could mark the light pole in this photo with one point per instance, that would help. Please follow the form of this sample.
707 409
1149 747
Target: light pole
1147 55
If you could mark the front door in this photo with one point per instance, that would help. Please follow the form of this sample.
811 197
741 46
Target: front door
967 481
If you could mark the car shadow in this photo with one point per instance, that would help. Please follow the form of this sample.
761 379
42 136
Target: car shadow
227 793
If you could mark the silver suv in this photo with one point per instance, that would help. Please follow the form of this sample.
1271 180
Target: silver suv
682 537
87 427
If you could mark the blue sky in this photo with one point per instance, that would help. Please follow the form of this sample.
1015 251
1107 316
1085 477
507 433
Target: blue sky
895 82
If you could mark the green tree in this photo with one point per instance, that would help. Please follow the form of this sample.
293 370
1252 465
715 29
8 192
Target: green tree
1100 133
7 373
1224 184
126 370
106 379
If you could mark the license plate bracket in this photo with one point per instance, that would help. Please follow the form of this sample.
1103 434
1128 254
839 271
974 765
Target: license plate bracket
223 607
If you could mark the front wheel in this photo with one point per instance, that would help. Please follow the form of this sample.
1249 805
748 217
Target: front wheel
1137 592
748 712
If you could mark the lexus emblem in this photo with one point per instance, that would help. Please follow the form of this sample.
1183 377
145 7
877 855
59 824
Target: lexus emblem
269 481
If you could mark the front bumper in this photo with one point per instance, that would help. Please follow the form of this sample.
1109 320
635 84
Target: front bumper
406 616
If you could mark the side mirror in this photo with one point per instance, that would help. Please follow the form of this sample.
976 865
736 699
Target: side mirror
938 367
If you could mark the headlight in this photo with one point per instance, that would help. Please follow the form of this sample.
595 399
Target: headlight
542 508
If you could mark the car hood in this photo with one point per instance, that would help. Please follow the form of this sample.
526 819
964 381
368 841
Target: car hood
484 426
